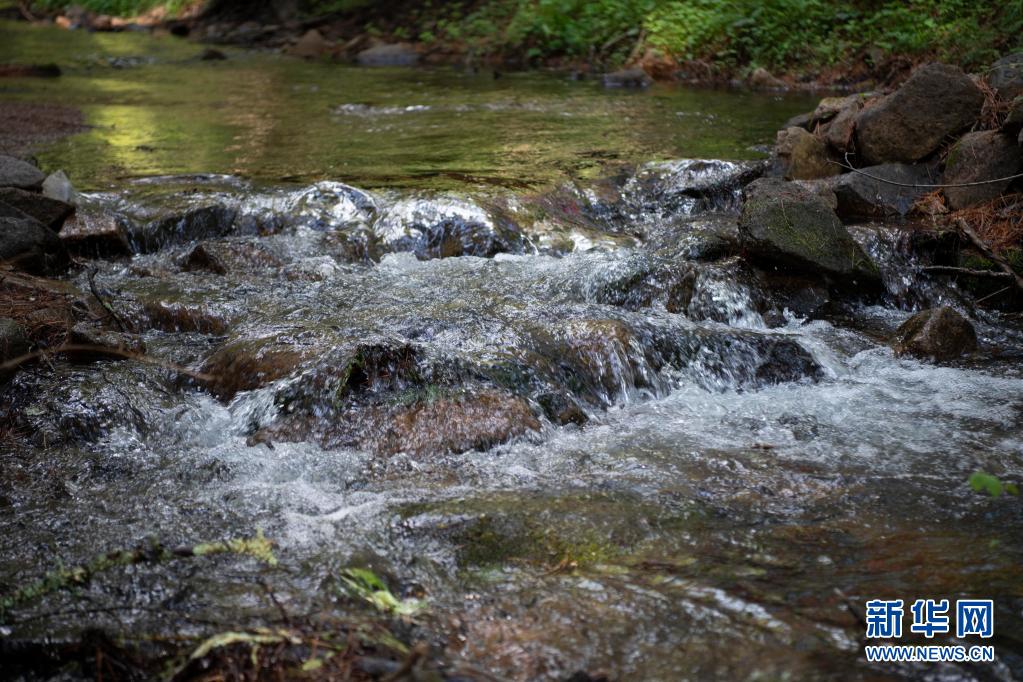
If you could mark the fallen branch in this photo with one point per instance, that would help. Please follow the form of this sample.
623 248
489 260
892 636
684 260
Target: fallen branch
952 270
988 253
258 547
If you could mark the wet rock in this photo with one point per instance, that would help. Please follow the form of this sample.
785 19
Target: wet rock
763 79
28 245
442 228
183 317
50 212
398 54
801 155
204 222
627 78
58 186
93 232
13 343
311 45
677 189
859 196
979 156
1006 76
247 364
911 123
938 334
786 223
20 174
102 344
201 259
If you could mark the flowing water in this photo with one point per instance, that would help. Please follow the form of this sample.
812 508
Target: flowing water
487 338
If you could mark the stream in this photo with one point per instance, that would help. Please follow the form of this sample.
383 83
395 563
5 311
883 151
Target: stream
490 337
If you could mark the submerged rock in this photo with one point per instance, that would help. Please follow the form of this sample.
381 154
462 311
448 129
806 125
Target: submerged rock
50 212
246 364
93 232
859 196
443 228
21 174
627 78
784 222
28 245
977 157
937 101
203 222
1006 76
938 334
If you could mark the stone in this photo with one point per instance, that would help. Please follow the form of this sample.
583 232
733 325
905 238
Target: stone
627 78
979 156
840 130
859 196
202 259
102 344
92 232
802 155
1006 76
21 174
28 245
50 212
58 186
397 54
13 343
911 123
311 45
1014 119
937 334
763 79
247 364
782 222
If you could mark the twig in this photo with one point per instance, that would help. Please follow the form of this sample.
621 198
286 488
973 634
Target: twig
105 350
992 295
986 250
952 270
848 166
109 308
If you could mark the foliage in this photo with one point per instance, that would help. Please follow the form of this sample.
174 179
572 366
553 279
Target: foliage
984 482
367 585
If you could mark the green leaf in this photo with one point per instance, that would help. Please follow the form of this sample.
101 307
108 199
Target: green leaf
984 482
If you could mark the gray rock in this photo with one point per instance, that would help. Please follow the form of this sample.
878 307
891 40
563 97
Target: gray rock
31 246
49 212
1006 76
911 123
58 186
938 334
13 342
801 155
786 223
862 197
21 174
1014 119
627 78
399 54
979 156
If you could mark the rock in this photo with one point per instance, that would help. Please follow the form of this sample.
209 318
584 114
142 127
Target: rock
978 156
311 45
790 224
398 54
830 107
13 343
32 247
202 259
911 123
49 212
799 121
251 363
938 334
58 186
840 130
445 227
194 224
763 79
803 156
627 78
92 232
21 174
103 344
29 71
859 196
1006 76
1014 119
212 55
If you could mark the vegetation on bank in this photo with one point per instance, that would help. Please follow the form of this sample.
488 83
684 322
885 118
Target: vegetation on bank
795 36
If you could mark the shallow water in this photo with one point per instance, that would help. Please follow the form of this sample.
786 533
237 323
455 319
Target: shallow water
726 487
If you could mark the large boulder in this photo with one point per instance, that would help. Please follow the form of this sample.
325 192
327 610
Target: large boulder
29 245
860 195
21 174
801 155
938 100
50 212
399 54
1006 76
977 157
787 223
937 334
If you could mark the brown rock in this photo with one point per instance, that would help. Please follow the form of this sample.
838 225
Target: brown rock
311 45
979 156
938 334
92 232
763 79
251 363
803 156
911 123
